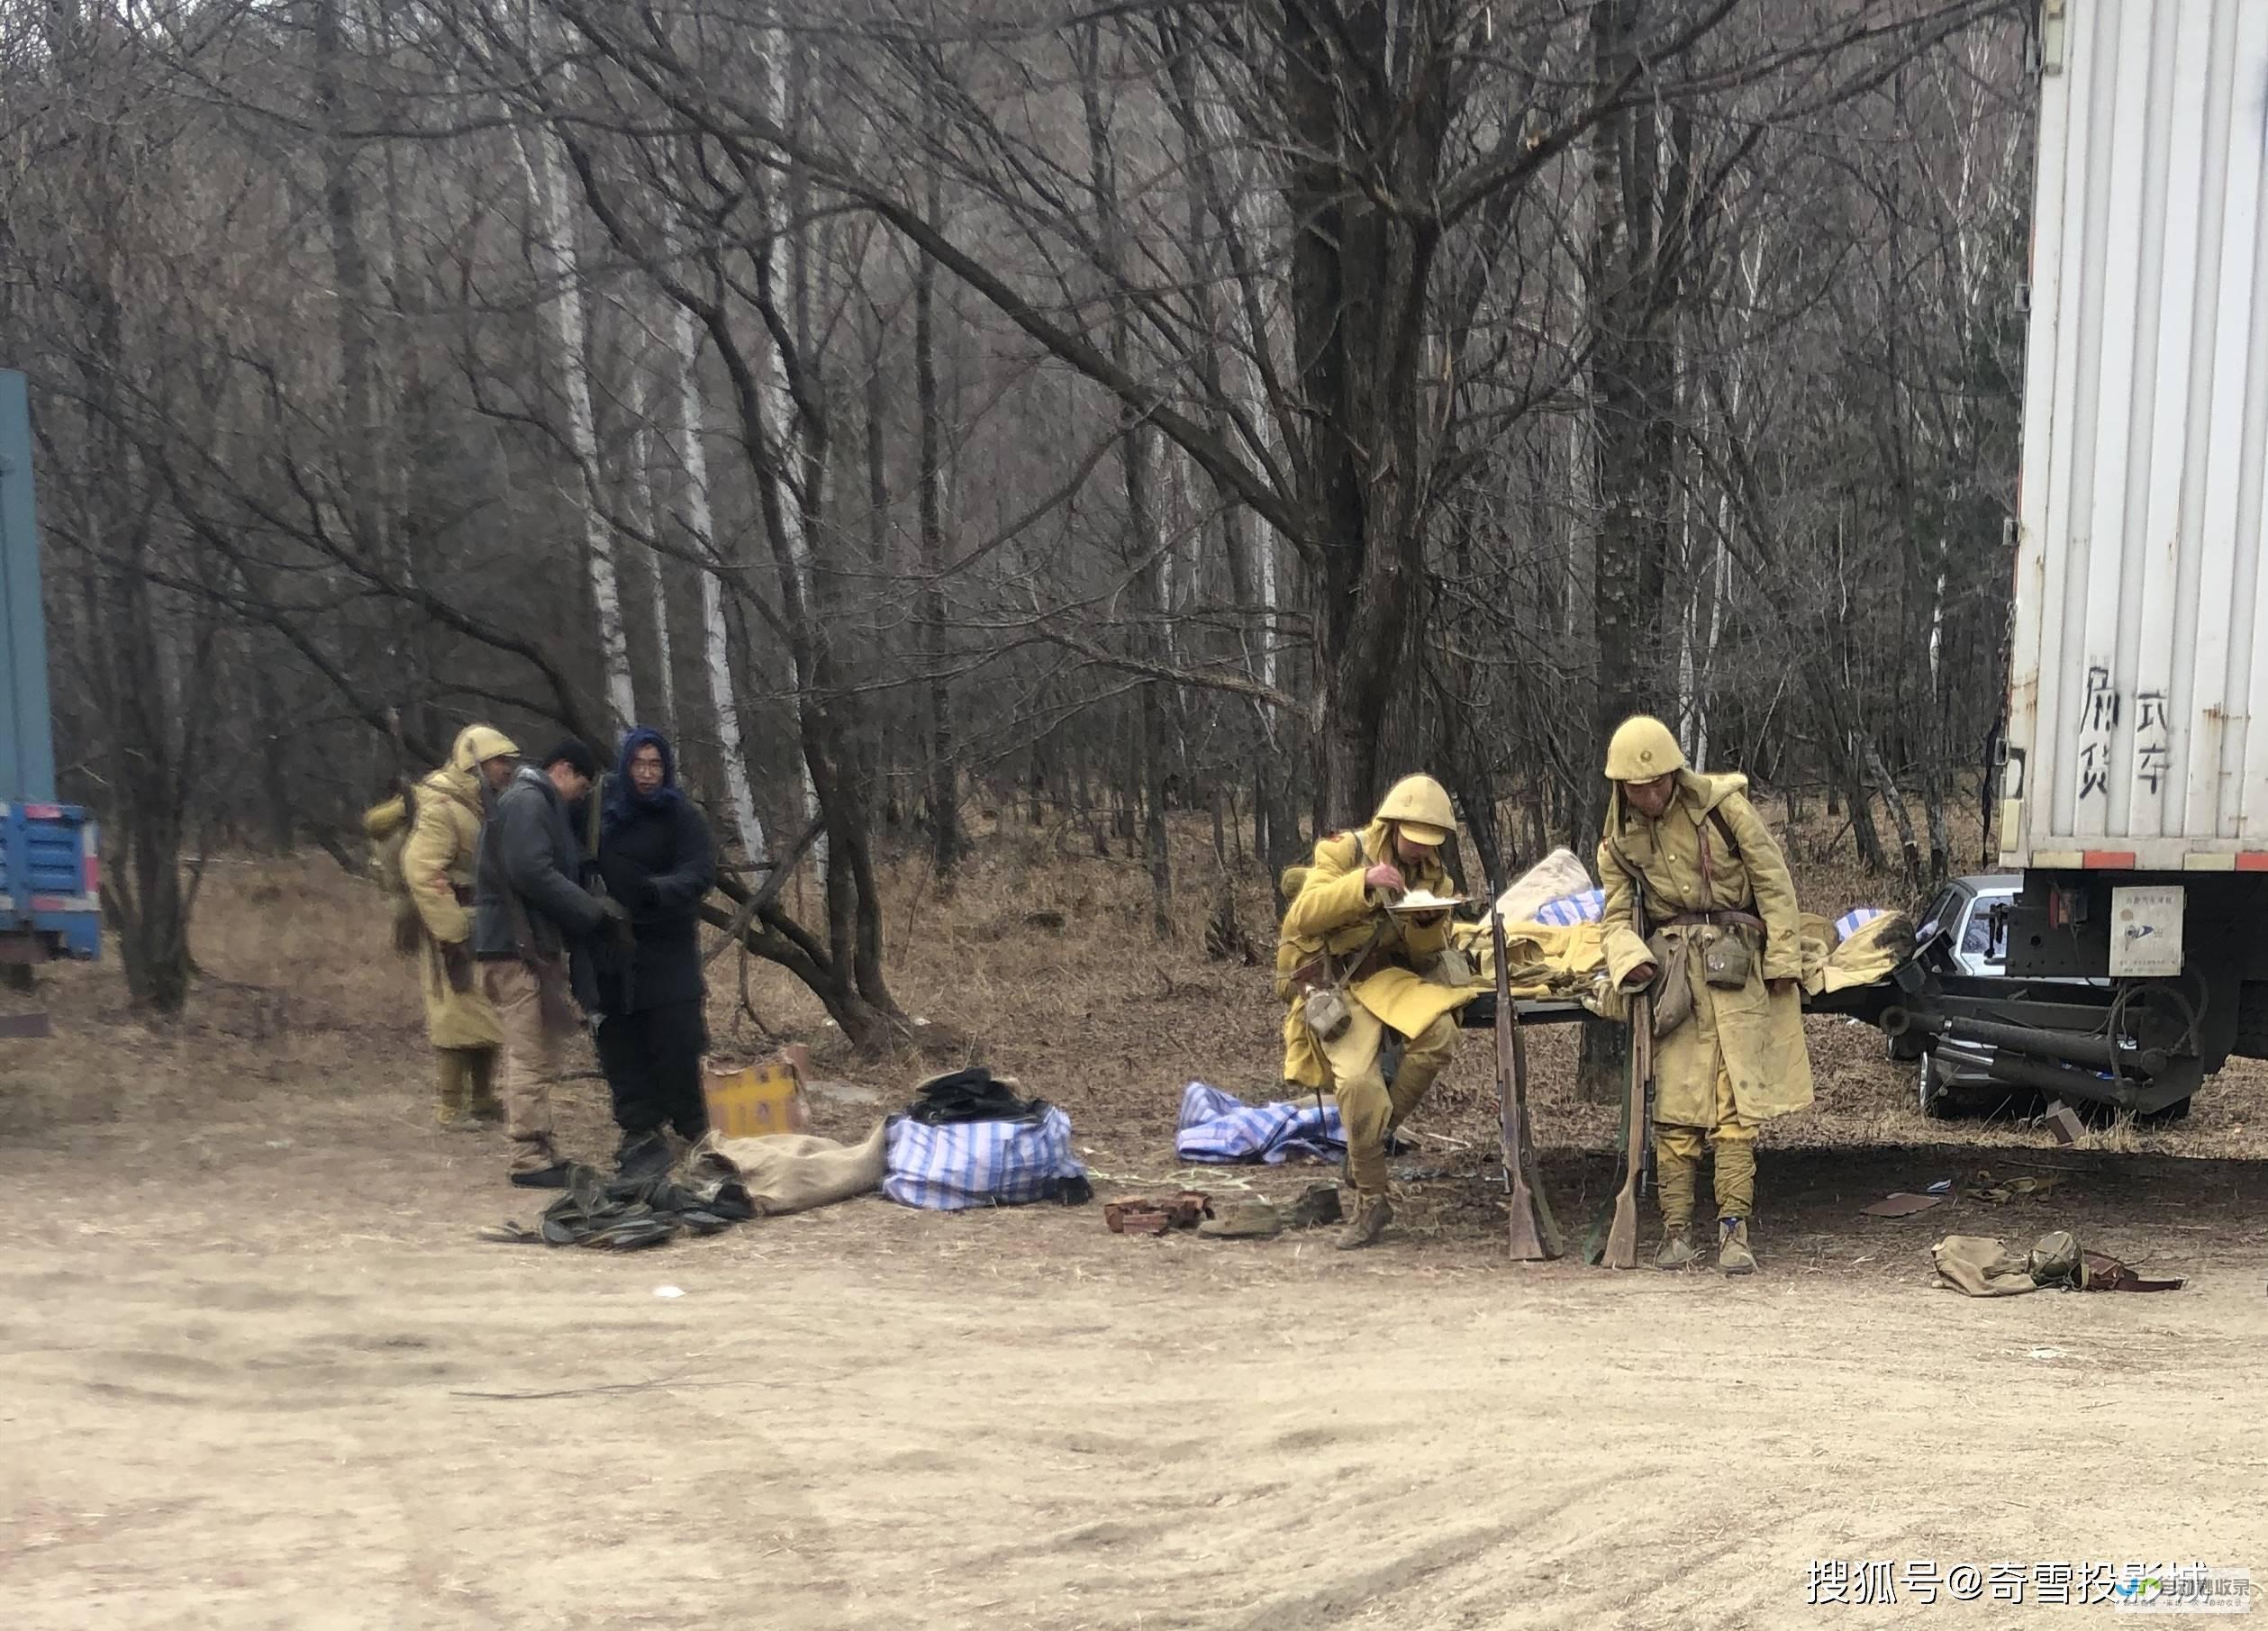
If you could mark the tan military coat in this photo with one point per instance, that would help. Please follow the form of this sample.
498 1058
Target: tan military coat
1334 911
1757 1035
436 863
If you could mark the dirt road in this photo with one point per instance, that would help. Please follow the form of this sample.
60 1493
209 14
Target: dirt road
308 1399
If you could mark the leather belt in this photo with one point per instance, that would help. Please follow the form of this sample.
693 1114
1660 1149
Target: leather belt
1716 920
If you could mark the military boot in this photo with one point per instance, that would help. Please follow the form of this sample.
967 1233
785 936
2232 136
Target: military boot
1677 1249
1733 1255
1373 1213
1673 1175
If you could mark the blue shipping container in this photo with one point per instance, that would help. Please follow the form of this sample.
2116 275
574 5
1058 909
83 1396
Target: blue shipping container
49 874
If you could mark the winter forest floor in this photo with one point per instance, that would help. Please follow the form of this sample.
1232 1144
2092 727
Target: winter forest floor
262 1374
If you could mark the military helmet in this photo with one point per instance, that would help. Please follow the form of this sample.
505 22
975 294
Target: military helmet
477 744
1421 807
1641 750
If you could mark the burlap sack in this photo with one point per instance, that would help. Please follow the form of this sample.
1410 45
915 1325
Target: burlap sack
795 1172
1979 1267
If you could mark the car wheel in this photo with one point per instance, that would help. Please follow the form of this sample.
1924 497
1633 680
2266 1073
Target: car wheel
2179 1111
1937 1103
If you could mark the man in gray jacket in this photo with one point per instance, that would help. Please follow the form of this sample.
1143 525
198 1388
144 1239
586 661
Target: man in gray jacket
528 910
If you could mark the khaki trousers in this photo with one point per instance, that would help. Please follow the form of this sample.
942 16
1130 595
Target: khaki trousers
530 1063
467 1084
1677 1158
1368 1107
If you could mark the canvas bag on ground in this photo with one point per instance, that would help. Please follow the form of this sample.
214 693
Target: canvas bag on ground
795 1172
960 1164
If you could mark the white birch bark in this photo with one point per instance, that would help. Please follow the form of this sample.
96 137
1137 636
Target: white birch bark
716 646
650 516
553 239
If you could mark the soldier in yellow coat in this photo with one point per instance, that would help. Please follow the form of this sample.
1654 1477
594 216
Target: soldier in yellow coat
1351 969
436 863
1700 908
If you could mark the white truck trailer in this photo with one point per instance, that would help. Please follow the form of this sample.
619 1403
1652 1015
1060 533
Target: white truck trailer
2133 794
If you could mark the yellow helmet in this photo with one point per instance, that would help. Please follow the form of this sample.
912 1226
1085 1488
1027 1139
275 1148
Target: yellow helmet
1420 806
1642 748
477 744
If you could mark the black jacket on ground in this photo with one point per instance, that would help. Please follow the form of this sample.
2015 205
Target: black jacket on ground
661 864
527 849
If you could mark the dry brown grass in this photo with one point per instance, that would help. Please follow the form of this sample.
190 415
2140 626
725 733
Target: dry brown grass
1041 958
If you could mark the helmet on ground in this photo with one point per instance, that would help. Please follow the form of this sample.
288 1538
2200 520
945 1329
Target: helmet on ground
1420 806
1641 750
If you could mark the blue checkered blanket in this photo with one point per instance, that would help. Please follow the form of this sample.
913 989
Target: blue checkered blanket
1216 1128
969 1163
1854 919
1584 906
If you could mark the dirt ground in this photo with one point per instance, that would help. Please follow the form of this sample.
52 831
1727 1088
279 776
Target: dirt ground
260 1374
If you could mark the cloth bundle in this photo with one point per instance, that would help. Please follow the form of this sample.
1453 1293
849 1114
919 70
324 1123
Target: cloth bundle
1559 877
1554 947
1217 1129
974 1094
785 1172
1584 906
1976 1265
1854 919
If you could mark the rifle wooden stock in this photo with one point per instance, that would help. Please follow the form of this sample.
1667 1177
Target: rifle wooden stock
1622 1238
1535 1236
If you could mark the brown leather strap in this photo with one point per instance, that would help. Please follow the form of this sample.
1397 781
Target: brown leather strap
1318 972
1713 817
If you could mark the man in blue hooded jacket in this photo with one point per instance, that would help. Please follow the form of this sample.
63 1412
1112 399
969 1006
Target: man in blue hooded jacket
655 857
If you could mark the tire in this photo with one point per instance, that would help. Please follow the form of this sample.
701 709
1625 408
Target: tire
2179 1111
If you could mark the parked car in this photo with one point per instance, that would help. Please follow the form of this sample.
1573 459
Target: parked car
1962 912
1953 1081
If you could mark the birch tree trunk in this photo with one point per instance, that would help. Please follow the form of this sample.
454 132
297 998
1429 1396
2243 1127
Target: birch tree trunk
551 233
780 409
716 644
649 516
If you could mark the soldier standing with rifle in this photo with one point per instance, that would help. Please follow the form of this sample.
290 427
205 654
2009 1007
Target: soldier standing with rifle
1701 913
